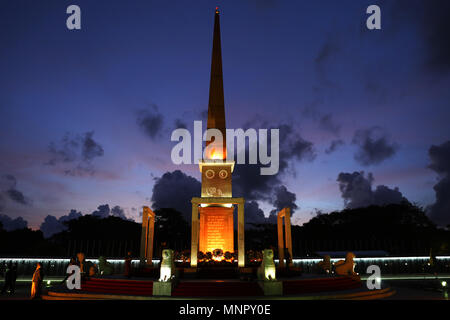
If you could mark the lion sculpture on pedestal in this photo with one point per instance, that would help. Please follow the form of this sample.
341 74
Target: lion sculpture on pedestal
267 269
167 265
346 267
324 266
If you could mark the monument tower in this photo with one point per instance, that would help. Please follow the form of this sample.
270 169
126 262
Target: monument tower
212 214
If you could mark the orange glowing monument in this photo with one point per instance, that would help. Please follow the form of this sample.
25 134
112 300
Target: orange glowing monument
212 213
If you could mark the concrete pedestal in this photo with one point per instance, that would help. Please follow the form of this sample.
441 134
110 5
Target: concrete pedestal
271 288
161 288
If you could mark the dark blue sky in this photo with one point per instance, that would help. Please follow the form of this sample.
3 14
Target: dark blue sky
381 96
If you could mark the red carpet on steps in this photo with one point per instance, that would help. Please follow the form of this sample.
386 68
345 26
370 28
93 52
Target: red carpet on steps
217 289
116 286
320 285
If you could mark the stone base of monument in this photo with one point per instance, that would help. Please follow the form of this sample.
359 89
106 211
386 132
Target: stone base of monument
272 288
163 288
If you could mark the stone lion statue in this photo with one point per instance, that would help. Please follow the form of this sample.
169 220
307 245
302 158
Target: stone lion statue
267 269
167 265
346 267
324 266
104 267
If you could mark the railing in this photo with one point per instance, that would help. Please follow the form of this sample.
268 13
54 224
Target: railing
388 265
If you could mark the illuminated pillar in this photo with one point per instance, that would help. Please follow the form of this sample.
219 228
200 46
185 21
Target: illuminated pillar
143 252
147 234
194 234
285 242
241 244
280 240
287 230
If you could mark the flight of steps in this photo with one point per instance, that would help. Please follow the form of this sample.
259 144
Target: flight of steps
217 289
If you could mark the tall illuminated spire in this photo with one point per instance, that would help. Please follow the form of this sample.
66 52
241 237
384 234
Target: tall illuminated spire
216 105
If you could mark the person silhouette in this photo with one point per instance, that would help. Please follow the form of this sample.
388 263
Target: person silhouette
128 266
8 276
36 282
13 278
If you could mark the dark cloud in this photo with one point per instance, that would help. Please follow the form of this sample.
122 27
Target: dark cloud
75 153
9 190
440 162
118 212
12 224
73 214
102 211
327 123
334 145
53 225
17 196
374 146
90 148
175 190
357 192
253 214
151 121
440 158
283 198
249 183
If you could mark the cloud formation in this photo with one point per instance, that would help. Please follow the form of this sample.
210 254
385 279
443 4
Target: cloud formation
75 153
334 145
374 146
9 224
283 198
150 120
102 211
8 187
440 163
175 190
356 190
249 183
52 225
117 211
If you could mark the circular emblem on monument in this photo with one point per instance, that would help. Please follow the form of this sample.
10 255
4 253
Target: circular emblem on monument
209 174
223 174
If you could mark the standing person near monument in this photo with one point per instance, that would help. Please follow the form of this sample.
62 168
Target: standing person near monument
8 274
128 266
36 284
13 278
288 259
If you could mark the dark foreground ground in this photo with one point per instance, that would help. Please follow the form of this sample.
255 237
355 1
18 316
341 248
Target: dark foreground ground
405 289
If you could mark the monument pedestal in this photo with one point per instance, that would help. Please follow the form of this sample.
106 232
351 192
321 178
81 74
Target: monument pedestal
272 288
163 288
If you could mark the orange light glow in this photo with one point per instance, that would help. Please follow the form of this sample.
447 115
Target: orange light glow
216 155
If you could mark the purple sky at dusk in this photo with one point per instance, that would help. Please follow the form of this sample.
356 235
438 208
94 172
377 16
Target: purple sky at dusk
312 65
